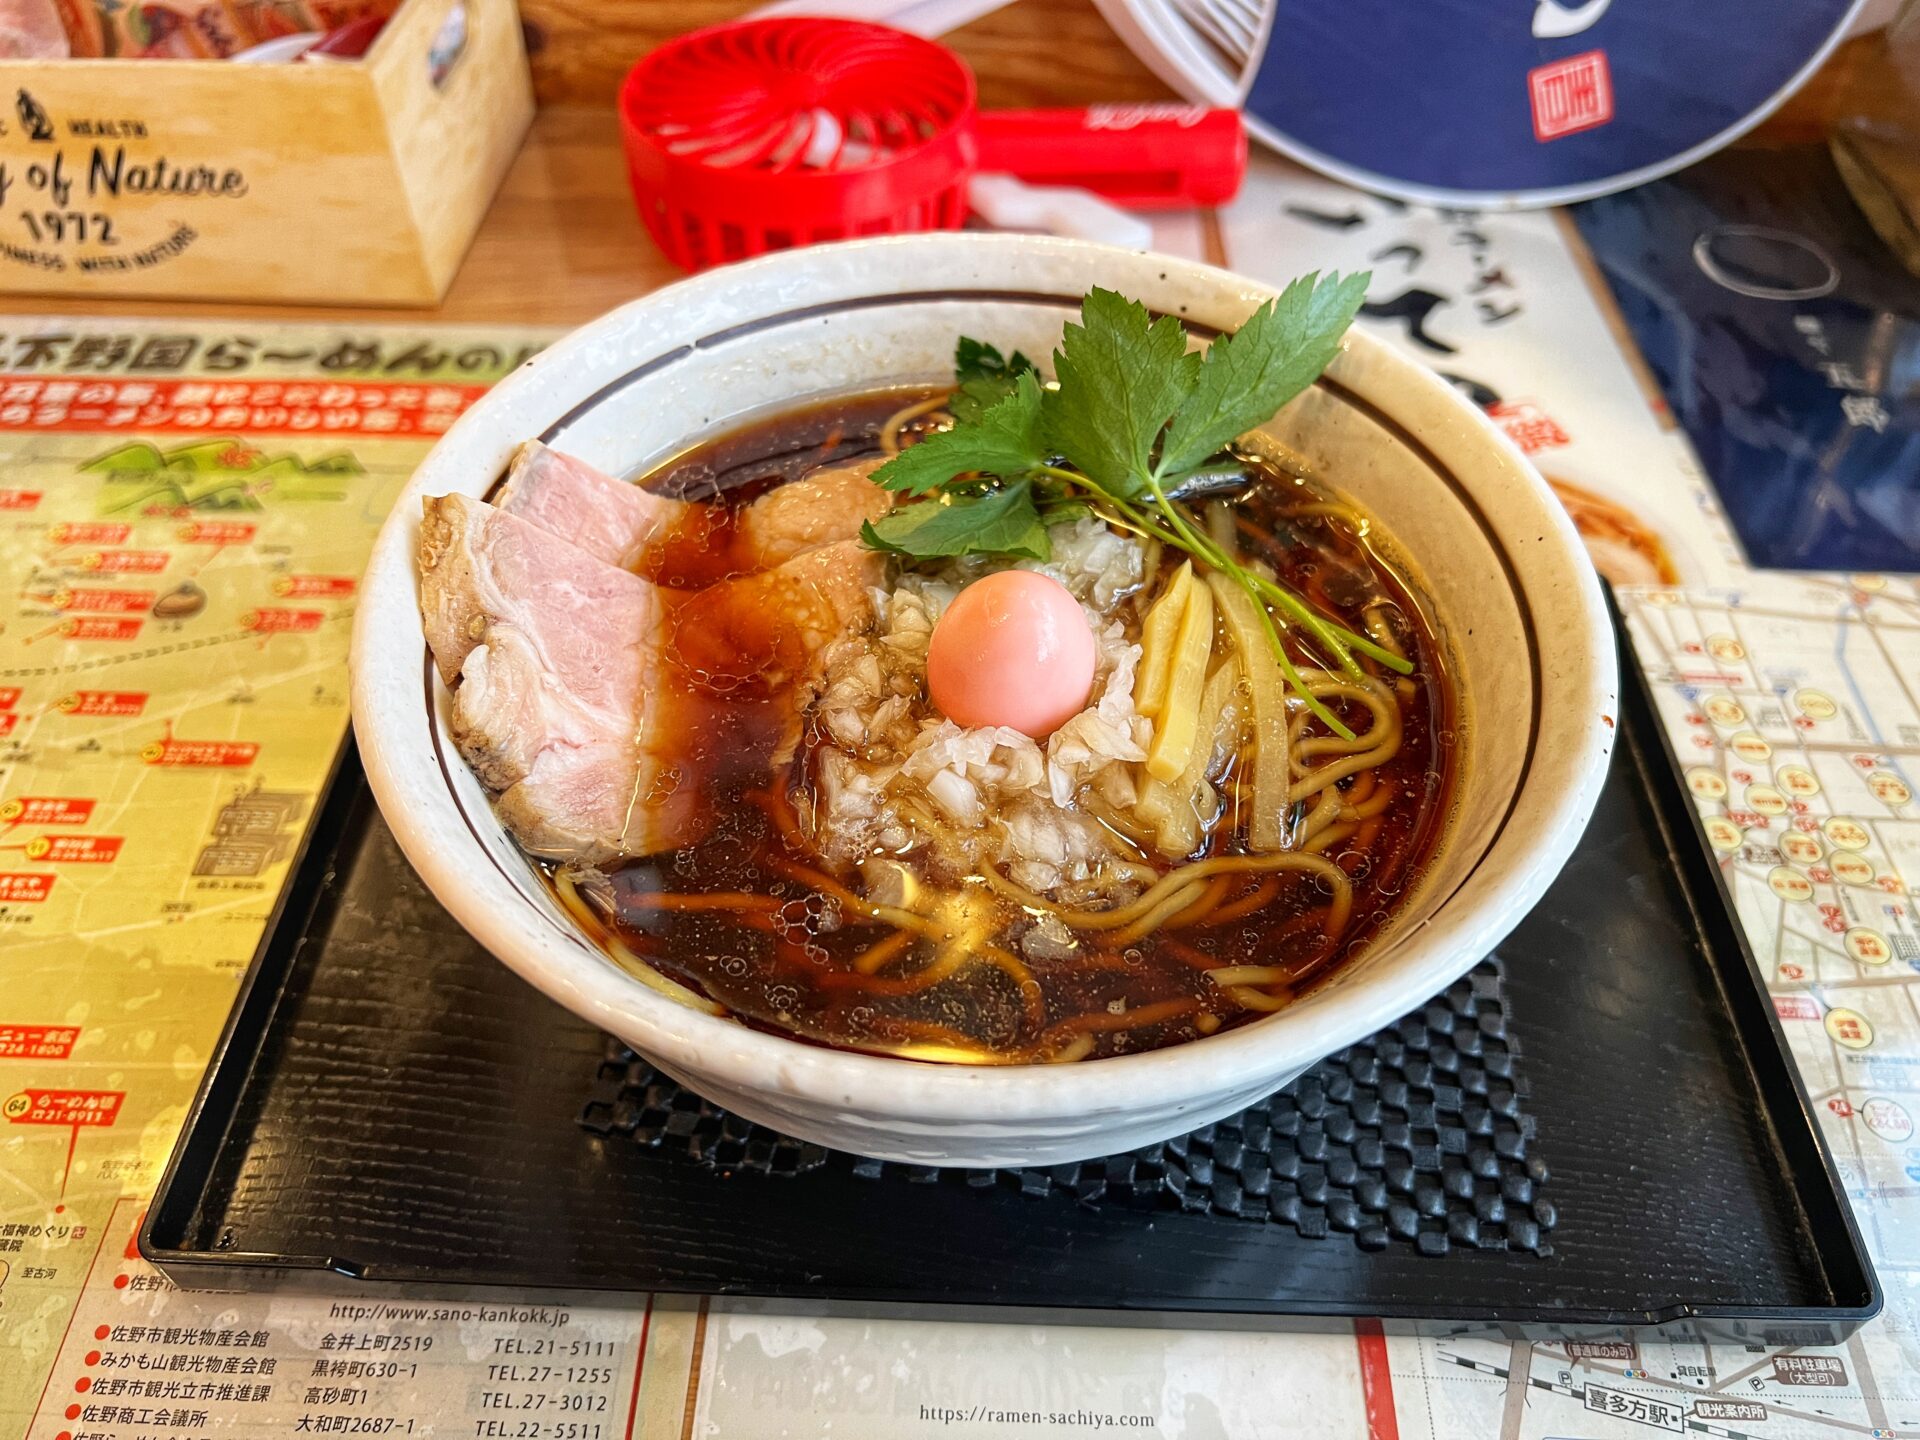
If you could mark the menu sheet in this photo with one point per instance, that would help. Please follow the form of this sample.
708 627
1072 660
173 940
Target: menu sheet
1794 701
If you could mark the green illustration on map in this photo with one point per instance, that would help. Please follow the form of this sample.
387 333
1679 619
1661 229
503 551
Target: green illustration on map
220 474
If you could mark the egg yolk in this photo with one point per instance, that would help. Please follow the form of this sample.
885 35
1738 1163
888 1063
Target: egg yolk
1013 649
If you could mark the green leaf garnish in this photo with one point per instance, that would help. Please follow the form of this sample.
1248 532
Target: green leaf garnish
1248 375
1134 412
1122 375
1062 512
985 376
1001 522
977 360
1005 440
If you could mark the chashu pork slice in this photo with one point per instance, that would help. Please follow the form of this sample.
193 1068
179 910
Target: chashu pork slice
600 708
682 543
554 652
607 518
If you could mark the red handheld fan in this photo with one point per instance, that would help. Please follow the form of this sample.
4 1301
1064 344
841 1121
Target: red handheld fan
765 134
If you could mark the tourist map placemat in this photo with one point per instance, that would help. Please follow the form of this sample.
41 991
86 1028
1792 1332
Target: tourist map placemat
184 514
1794 701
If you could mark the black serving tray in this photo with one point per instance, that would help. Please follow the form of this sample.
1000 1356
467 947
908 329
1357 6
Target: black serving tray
389 1103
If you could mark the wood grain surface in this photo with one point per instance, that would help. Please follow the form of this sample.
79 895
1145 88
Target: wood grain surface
561 243
451 140
1032 52
365 179
1061 52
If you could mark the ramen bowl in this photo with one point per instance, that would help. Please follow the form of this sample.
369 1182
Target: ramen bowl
1516 603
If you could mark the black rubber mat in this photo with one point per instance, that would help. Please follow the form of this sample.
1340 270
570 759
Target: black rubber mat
1418 1134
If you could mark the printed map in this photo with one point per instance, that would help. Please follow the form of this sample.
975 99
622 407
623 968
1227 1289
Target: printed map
183 519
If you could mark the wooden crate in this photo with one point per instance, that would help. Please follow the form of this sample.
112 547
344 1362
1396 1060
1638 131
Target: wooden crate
326 183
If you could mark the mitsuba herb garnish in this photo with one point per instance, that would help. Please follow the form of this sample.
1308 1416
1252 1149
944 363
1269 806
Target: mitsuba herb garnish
1133 416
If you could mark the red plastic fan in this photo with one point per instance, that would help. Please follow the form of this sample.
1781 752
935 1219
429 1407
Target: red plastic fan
764 134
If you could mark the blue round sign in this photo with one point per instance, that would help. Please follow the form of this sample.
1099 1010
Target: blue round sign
1526 101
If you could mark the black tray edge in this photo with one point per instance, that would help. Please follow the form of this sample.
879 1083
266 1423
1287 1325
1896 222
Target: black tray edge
1743 988
1827 1217
231 1063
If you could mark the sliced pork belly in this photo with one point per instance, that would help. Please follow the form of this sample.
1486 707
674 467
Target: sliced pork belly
681 544
607 518
555 653
601 708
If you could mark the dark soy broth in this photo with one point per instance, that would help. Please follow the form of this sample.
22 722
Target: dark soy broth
753 920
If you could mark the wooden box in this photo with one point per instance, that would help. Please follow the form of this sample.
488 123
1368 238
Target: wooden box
343 183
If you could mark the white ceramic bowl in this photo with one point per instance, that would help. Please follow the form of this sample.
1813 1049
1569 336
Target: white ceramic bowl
1518 602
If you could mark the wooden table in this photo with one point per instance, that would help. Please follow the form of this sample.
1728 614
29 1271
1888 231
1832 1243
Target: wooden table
562 244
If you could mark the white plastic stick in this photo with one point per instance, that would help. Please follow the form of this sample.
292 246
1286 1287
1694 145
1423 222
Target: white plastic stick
922 17
1012 204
